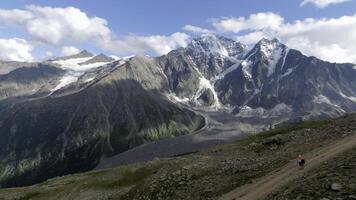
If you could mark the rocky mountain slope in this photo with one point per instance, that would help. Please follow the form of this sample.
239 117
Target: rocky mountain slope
84 107
68 128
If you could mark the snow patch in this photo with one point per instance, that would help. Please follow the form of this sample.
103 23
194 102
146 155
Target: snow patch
75 70
347 97
287 73
274 61
74 64
89 79
227 71
246 68
205 84
286 52
128 57
115 57
320 99
173 97
67 79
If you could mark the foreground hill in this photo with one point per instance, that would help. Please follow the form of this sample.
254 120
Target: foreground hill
214 172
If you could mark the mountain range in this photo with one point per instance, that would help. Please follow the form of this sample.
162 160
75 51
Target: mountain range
64 115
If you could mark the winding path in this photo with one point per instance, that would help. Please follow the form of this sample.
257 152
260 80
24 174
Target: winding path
279 178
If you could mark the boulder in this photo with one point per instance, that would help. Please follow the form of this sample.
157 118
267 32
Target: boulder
335 187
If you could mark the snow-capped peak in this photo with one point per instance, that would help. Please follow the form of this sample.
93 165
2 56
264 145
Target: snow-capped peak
218 45
269 46
271 50
115 57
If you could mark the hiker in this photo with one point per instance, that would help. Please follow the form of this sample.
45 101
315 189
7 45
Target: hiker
301 161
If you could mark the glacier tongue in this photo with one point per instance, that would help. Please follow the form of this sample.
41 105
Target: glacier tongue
67 79
275 57
203 85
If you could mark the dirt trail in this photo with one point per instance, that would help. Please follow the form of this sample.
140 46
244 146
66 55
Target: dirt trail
277 179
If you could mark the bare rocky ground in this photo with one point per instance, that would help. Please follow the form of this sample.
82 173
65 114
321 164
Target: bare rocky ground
204 175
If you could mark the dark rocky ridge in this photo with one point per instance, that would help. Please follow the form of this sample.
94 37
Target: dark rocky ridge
26 81
8 66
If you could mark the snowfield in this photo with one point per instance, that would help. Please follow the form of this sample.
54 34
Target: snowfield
74 70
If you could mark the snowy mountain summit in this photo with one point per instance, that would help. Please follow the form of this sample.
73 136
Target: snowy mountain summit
218 45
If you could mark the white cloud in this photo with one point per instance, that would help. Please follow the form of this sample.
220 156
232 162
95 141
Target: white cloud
322 3
69 50
68 26
254 21
330 39
49 54
15 49
160 44
57 26
195 29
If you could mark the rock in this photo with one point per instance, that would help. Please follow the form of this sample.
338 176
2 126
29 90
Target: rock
273 141
324 199
335 187
253 144
207 98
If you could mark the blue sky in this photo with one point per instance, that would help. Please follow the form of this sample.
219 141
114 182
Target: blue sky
132 20
165 17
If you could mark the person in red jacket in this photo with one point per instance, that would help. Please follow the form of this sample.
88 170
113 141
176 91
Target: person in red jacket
301 161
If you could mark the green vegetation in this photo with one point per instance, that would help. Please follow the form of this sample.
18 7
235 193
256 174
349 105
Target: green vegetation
202 175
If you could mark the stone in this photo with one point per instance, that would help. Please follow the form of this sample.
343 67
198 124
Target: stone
335 187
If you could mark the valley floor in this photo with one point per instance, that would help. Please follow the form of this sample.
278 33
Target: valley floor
211 173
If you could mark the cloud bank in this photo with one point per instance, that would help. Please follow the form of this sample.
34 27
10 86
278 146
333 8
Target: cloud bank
69 50
330 39
15 49
62 27
322 3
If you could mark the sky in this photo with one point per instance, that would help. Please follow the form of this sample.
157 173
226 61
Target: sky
41 29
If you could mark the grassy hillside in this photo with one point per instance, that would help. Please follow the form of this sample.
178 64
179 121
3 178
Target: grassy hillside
203 175
317 183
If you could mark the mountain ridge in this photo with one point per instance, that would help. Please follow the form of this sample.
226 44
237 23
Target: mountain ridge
95 106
